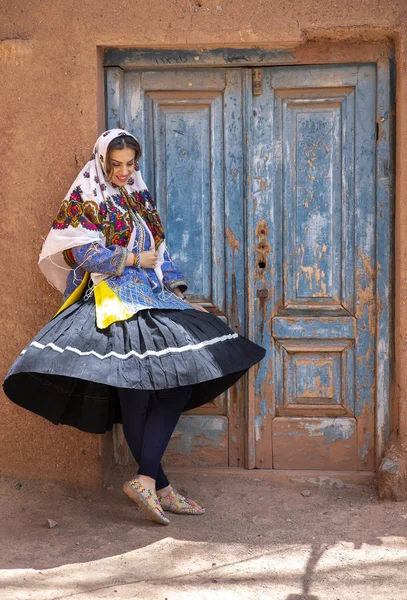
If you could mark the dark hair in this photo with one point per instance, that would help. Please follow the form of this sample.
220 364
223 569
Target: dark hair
123 141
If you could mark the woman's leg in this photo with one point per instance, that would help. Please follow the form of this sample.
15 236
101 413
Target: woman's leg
162 418
135 406
148 425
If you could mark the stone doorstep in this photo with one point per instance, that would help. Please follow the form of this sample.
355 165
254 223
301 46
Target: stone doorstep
321 479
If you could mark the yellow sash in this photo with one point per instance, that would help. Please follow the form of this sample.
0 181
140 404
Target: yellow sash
76 294
109 307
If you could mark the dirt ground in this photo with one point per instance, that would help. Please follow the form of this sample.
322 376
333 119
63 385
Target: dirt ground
257 540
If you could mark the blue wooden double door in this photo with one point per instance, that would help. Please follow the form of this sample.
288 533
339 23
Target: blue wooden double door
265 179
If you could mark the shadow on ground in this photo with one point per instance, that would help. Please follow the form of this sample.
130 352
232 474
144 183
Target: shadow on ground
256 540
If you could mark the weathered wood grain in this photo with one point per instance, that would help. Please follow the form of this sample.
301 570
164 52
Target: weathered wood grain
114 78
384 249
311 53
198 79
317 443
324 360
365 264
200 441
184 130
290 185
264 221
234 239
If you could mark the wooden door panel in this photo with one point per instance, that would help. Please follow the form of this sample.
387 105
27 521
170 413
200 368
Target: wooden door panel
182 141
314 366
198 440
315 443
365 264
190 125
201 441
305 148
315 378
313 300
184 79
318 144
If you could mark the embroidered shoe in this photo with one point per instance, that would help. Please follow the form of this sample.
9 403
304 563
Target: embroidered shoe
146 500
176 503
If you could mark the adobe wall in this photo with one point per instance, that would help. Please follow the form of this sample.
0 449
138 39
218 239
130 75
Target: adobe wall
51 99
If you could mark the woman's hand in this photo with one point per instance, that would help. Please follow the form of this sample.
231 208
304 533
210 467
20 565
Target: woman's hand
199 307
148 259
180 294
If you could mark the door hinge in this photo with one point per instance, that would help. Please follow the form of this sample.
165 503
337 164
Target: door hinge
257 81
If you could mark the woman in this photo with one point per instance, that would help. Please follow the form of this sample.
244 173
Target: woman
126 346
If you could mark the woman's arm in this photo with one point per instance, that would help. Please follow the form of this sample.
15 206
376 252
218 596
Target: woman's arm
173 279
95 258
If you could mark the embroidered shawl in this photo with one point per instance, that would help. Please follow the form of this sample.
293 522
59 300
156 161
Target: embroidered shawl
96 210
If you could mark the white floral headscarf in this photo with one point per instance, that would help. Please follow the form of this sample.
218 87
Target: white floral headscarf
96 210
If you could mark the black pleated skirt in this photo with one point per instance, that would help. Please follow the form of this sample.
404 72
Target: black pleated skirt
69 373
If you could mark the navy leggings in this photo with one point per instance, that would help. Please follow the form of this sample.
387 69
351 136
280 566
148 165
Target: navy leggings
148 424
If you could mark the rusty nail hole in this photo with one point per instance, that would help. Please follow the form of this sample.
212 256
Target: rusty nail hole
262 264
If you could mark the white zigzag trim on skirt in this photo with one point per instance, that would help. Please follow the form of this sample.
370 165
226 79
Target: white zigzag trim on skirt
223 338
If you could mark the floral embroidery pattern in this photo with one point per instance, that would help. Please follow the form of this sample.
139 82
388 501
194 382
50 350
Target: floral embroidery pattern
118 229
118 223
118 201
115 224
75 212
69 258
142 203
113 217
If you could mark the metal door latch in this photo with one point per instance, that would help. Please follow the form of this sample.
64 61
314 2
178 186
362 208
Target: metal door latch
262 293
257 81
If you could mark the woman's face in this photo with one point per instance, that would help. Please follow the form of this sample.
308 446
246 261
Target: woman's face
122 165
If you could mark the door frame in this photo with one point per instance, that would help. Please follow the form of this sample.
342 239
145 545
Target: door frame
334 53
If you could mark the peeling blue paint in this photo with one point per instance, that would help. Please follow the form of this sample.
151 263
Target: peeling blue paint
332 429
257 424
310 159
363 452
263 407
198 431
147 57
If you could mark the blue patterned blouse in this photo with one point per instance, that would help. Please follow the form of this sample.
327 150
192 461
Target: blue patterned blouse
137 288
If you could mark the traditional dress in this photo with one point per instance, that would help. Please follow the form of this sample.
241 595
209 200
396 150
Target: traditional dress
119 327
